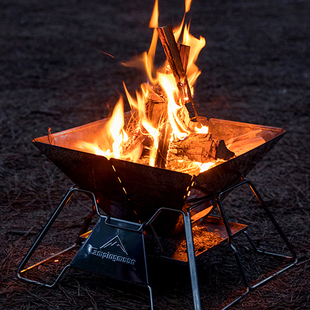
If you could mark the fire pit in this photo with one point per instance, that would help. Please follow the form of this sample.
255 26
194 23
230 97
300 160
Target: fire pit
136 197
154 171
133 191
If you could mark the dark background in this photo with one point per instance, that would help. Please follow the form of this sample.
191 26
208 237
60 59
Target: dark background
255 68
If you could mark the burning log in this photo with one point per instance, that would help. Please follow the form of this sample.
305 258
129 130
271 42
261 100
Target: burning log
173 56
163 146
157 107
202 148
184 54
196 147
158 102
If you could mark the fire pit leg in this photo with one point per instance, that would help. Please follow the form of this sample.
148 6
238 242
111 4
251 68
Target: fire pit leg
272 219
190 250
44 231
229 234
192 260
114 248
237 256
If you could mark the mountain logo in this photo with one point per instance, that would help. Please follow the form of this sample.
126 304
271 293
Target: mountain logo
115 244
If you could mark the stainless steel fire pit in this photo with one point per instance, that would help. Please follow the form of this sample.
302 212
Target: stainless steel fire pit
133 199
142 189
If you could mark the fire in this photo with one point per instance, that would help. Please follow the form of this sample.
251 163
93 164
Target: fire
116 128
155 135
196 46
179 130
115 142
112 136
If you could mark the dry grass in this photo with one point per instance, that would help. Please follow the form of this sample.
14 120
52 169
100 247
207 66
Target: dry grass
256 68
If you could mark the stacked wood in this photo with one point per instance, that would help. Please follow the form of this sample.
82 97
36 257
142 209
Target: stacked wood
196 147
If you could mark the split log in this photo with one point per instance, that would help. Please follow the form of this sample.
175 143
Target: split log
157 113
158 116
243 146
184 55
157 107
202 148
173 56
163 146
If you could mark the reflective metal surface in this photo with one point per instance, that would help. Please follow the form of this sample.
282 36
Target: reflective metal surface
134 191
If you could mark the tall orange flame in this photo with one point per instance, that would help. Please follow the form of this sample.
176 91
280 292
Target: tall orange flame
176 112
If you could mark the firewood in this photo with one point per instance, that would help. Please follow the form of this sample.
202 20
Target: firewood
184 55
243 146
173 56
157 107
202 148
135 141
222 152
163 145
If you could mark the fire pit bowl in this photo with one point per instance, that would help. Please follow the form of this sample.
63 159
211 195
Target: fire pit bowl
133 191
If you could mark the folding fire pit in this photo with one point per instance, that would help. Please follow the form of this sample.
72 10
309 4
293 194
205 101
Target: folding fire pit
133 200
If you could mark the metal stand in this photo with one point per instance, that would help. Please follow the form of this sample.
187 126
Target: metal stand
115 248
293 256
228 231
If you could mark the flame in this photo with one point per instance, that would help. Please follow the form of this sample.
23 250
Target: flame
206 166
111 138
146 60
116 124
114 137
178 128
154 19
202 129
196 46
155 135
139 103
188 4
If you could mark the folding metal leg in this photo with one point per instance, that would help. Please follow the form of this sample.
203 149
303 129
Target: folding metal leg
102 259
44 231
192 260
274 222
121 226
237 256
190 251
115 248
